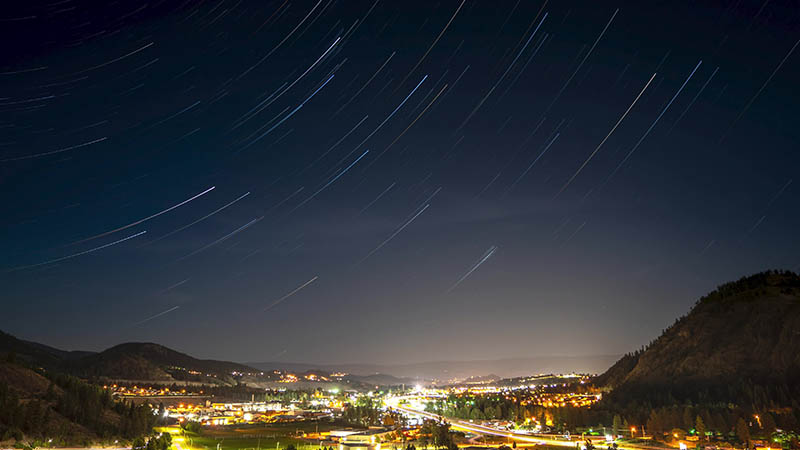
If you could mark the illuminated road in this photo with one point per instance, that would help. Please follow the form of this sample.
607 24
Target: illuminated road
463 425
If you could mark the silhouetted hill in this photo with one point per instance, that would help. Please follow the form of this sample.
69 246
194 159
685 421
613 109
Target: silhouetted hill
61 354
380 379
130 361
738 344
148 361
40 398
31 353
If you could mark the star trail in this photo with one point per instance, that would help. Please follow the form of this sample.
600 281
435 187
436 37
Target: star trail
369 181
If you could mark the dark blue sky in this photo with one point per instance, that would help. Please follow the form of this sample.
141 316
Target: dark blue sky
391 180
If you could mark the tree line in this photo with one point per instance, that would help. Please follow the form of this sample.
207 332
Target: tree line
658 413
365 412
68 401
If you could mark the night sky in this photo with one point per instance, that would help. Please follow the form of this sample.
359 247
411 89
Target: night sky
390 181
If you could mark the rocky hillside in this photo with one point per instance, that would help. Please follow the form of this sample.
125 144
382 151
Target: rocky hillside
740 343
39 406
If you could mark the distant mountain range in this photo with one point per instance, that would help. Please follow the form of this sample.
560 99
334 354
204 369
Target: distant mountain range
745 330
148 361
448 370
739 344
130 361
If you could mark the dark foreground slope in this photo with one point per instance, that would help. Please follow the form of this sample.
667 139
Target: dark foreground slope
38 406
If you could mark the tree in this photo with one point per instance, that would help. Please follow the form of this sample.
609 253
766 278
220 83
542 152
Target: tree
437 433
720 424
743 432
768 423
192 426
700 427
365 412
423 441
441 435
161 442
688 423
654 424
617 423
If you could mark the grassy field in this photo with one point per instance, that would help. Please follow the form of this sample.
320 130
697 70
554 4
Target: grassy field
238 443
274 436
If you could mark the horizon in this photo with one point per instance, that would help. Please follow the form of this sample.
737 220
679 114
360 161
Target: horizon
329 363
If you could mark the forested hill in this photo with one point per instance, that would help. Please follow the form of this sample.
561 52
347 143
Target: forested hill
38 406
738 345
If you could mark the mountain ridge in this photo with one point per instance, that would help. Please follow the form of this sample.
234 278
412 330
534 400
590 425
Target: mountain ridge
445 370
131 360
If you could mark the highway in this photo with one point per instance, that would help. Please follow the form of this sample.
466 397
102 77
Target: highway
464 425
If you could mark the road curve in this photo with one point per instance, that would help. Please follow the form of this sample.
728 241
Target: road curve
463 425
